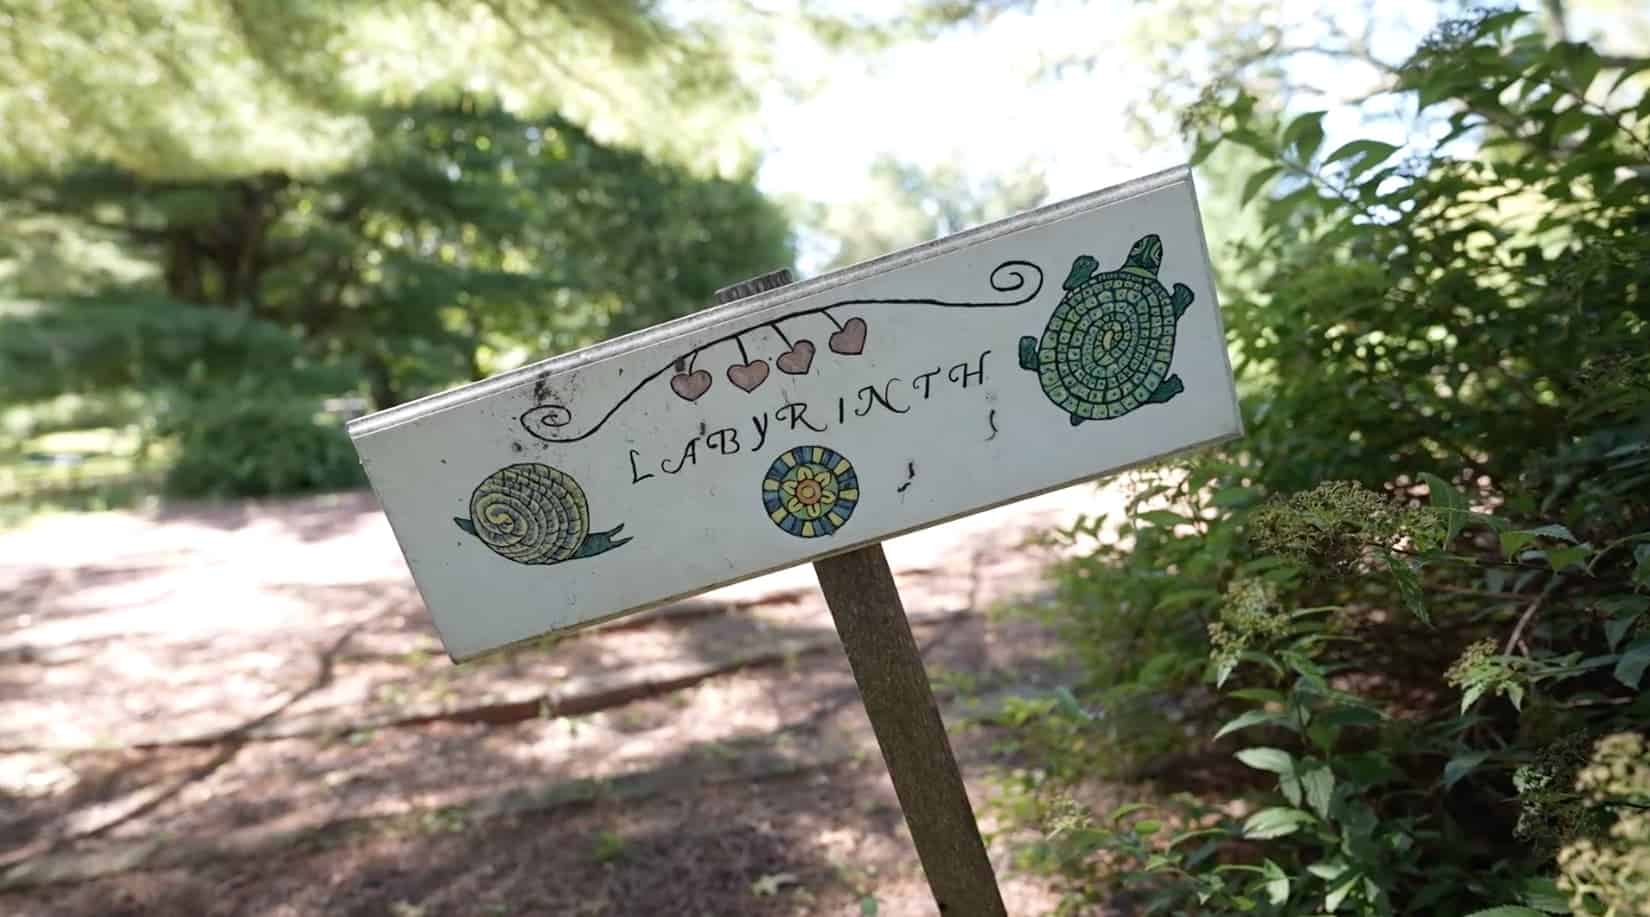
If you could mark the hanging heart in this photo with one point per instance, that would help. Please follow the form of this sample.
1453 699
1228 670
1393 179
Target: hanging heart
749 376
691 385
850 341
796 361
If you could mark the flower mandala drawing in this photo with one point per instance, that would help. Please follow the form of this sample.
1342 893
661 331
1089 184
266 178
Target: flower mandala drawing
810 491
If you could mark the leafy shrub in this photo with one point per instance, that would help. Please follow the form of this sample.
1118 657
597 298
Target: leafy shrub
1417 593
250 442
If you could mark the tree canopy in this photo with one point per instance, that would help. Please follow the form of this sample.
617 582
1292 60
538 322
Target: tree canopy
224 199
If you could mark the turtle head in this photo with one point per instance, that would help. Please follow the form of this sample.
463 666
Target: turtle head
1146 255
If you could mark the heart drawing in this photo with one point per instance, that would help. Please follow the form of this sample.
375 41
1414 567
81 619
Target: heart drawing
750 375
796 361
691 385
850 341
751 347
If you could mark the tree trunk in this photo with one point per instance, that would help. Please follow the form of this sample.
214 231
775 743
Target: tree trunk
183 267
384 392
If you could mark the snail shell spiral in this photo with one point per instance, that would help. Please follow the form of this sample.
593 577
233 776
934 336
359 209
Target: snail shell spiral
530 513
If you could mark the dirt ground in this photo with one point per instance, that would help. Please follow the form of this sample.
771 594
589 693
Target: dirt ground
244 709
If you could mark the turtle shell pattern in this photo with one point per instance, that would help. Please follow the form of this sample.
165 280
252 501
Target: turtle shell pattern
1108 345
531 513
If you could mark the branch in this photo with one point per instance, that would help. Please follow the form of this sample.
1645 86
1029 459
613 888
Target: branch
1518 629
1623 61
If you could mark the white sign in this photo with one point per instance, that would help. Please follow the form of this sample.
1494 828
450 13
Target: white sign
996 364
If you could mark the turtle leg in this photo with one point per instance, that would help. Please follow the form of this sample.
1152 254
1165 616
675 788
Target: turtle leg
1170 387
1075 420
598 542
1181 298
1028 353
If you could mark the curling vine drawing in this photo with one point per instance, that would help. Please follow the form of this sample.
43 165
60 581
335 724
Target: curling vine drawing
847 337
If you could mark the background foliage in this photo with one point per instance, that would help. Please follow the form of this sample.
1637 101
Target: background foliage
225 225
1412 601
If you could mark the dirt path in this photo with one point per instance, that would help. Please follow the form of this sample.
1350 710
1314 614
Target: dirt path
245 710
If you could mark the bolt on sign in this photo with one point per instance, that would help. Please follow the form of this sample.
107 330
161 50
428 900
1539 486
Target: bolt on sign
1003 362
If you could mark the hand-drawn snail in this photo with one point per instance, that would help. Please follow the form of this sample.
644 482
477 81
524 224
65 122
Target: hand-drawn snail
535 514
1108 344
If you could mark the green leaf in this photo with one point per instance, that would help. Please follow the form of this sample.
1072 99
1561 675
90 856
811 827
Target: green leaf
1332 901
1253 718
1164 518
1368 153
1147 827
1068 704
1184 836
1180 598
1554 530
1244 136
1258 695
1277 883
1582 65
1228 497
1329 870
1543 894
1125 811
1320 789
1448 501
1258 182
1472 694
1461 765
1617 627
868 906
1291 790
1202 149
1512 542
1560 558
1508 910
1636 658
1408 580
1227 666
1277 821
1275 760
1305 133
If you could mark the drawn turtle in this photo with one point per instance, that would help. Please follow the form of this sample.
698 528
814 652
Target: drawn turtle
1108 344
535 514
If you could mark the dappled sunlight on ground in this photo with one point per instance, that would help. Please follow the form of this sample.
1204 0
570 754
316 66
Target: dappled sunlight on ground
240 673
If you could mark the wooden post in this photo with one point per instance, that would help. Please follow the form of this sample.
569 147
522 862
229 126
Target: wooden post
870 620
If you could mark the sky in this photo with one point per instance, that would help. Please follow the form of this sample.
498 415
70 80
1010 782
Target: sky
973 96
970 96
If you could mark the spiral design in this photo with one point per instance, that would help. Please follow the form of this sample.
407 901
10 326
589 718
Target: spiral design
530 513
1112 341
1011 277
